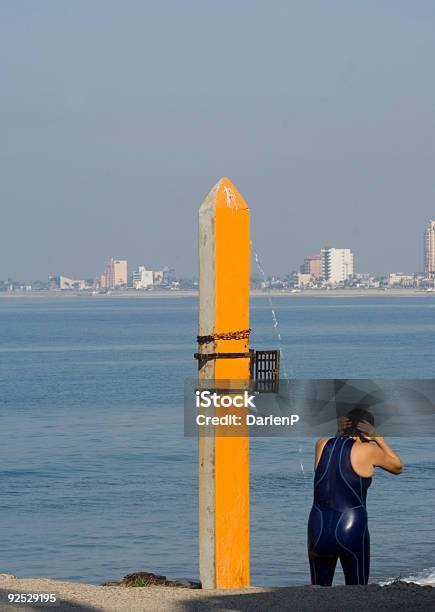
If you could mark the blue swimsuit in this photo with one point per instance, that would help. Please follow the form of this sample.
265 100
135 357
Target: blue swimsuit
337 527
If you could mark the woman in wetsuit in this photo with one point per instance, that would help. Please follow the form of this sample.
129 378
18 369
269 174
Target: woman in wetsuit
337 526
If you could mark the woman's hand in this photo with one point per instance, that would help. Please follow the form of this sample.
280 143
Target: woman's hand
368 431
343 424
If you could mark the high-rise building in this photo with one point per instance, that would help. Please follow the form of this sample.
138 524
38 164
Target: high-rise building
312 265
158 277
64 282
115 273
337 265
429 250
142 278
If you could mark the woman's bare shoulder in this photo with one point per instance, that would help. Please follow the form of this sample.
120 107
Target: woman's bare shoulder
366 447
366 450
320 445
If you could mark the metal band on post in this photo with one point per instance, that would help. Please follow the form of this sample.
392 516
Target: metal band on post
235 335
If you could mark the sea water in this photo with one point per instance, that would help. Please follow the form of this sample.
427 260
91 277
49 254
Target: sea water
97 479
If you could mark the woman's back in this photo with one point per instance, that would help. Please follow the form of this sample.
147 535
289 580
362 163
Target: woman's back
337 525
336 484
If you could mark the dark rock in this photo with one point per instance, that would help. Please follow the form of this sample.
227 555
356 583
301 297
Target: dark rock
187 584
145 579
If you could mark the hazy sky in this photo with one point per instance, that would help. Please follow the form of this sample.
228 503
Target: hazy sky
118 117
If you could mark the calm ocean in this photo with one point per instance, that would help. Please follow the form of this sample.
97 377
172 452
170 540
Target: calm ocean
97 480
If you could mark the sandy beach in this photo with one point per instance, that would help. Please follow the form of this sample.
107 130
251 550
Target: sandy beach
253 293
77 597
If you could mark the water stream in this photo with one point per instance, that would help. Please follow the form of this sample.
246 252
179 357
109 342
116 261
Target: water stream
275 321
276 327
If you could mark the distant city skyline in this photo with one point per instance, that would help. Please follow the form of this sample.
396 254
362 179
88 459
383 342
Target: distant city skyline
380 268
117 122
334 264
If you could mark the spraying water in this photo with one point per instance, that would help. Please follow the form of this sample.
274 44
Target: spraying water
278 335
300 461
274 317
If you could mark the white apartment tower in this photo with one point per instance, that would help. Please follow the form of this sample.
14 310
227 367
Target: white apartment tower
337 265
142 278
429 250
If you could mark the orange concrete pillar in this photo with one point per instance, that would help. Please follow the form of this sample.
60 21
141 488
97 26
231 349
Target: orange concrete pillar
224 262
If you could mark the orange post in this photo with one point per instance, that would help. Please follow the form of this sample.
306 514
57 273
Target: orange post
224 255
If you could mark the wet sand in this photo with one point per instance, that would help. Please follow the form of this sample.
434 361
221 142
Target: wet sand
77 597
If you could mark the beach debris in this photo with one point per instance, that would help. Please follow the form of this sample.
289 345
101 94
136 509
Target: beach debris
7 576
147 579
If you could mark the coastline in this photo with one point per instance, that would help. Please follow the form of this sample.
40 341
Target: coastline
80 597
253 293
